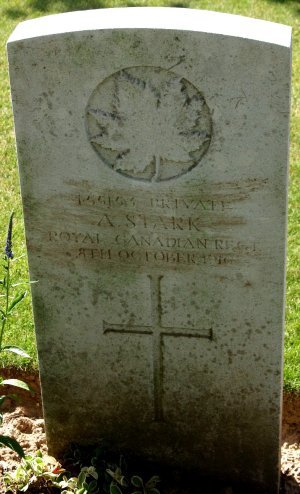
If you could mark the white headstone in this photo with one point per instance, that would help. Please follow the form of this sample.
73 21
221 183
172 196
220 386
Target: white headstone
153 150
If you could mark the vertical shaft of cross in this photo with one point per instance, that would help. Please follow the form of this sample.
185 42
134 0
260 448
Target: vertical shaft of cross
157 347
158 332
155 177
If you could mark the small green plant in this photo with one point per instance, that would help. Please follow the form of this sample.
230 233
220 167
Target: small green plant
105 475
80 484
136 481
36 471
10 297
148 488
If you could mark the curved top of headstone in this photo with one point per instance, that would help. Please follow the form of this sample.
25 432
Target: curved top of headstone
155 18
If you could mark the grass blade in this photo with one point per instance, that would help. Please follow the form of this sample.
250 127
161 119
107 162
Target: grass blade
16 301
15 349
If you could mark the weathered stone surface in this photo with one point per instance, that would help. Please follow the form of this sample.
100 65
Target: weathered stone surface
153 149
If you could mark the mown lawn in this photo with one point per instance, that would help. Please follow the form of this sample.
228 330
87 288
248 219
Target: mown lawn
12 12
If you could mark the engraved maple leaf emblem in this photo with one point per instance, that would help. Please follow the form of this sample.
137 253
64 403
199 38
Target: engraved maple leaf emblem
148 123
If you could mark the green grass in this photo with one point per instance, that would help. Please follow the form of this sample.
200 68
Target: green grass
21 331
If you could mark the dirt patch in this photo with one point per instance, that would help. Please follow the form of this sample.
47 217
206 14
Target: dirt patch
23 420
290 449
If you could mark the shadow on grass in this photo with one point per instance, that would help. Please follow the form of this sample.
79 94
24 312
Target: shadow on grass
66 6
46 6
180 5
14 13
292 4
71 5
296 2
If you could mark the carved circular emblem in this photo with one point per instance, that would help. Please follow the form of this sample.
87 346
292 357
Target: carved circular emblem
148 123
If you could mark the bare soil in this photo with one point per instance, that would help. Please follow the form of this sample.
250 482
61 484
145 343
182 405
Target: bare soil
23 420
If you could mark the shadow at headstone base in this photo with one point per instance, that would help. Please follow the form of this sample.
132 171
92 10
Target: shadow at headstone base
187 483
288 485
175 480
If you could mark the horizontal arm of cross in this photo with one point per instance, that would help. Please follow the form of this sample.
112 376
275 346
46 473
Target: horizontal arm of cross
194 333
122 328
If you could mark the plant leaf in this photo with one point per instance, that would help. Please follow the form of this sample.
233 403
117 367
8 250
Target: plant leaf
123 482
114 489
152 482
16 300
15 349
17 383
17 258
24 283
11 443
137 481
92 472
11 396
81 478
2 399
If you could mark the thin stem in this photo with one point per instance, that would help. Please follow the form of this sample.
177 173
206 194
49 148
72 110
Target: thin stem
7 285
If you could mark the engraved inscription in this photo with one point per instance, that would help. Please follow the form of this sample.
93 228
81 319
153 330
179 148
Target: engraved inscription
148 123
111 200
158 332
148 229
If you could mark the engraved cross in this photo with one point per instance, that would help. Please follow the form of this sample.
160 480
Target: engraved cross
158 332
